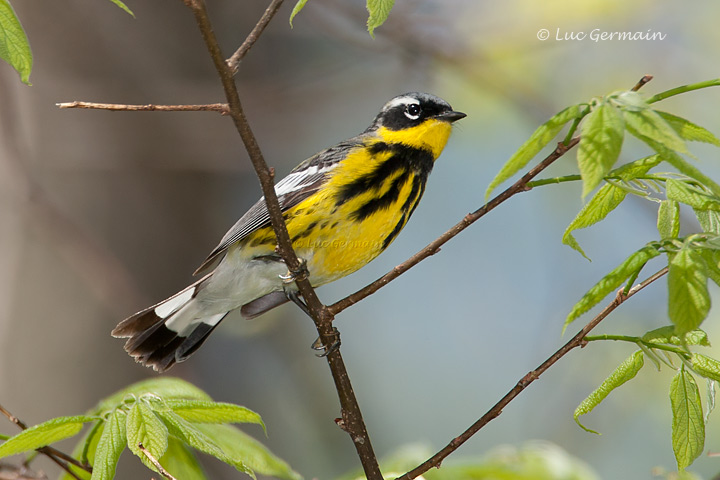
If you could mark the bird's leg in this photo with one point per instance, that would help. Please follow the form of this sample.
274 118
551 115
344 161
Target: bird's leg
300 273
294 296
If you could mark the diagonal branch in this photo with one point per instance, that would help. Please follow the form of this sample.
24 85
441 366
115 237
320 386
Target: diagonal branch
433 247
234 61
352 421
577 341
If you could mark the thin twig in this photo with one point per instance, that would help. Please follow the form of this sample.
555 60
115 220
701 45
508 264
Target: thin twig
234 61
434 246
155 463
352 421
645 79
63 460
577 341
212 107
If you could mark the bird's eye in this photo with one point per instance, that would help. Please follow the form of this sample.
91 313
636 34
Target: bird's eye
412 111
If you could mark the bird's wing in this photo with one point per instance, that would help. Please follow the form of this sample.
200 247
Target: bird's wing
303 181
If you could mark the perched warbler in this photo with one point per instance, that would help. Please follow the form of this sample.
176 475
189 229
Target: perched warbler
342 208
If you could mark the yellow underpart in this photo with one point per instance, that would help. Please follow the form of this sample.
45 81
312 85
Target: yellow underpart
325 234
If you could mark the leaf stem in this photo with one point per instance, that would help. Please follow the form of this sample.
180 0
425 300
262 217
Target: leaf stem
638 340
683 89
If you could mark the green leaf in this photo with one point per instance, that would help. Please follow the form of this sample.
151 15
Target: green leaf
712 261
378 11
197 411
688 130
146 429
110 446
668 222
624 372
163 387
706 366
181 463
123 6
194 437
690 195
600 205
254 454
688 297
85 452
298 6
709 220
44 434
608 198
688 428
537 141
600 144
612 281
648 124
667 335
14 45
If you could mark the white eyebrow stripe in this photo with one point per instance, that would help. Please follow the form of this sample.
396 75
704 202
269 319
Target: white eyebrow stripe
405 100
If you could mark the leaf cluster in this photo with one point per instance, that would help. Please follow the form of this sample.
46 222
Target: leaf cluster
163 422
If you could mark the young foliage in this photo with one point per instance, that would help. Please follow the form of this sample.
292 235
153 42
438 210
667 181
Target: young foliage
124 7
600 144
378 12
14 45
537 141
163 418
624 372
688 427
688 299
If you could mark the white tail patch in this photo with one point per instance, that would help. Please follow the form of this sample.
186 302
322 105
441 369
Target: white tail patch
174 303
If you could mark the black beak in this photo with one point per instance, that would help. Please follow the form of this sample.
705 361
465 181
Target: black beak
451 116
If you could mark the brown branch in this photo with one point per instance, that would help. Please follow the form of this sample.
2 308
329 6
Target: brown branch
63 460
523 383
234 61
212 107
352 421
434 246
155 463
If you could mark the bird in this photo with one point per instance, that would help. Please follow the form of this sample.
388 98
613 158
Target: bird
342 207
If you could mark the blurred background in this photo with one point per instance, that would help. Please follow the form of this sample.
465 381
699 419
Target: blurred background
104 213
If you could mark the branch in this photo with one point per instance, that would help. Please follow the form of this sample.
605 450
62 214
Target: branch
577 341
63 460
212 107
434 246
352 421
155 463
234 61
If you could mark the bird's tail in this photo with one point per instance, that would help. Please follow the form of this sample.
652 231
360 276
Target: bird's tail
168 332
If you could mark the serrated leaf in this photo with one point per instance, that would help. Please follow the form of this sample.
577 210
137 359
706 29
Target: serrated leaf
181 463
646 123
123 7
688 130
688 297
110 446
254 454
710 398
14 45
709 220
44 434
667 335
610 282
196 411
607 199
706 366
192 436
146 429
600 145
712 261
690 195
537 141
668 221
624 372
688 428
164 387
677 161
296 9
84 451
378 11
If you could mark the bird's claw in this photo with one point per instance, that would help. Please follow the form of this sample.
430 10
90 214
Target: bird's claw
320 346
298 274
